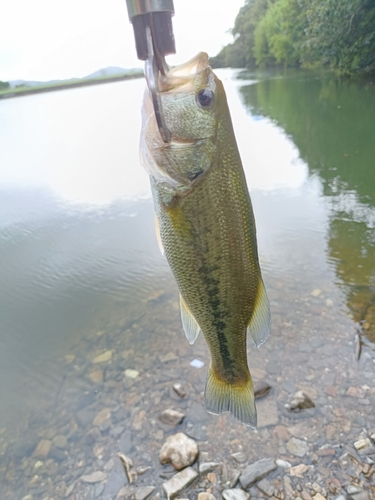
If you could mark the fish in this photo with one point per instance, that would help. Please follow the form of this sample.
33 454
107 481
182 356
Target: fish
206 228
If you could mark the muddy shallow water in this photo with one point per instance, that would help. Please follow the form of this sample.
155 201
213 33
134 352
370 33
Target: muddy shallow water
86 296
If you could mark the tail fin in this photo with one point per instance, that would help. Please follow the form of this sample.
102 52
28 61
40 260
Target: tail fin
220 397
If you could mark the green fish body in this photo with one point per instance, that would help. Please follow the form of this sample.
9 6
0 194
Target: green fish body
206 227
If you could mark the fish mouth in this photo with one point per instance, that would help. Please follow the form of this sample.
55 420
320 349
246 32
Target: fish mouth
180 78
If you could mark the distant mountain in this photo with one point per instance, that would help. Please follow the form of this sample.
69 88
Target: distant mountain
110 71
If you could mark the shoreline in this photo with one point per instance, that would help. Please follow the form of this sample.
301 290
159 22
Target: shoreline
64 86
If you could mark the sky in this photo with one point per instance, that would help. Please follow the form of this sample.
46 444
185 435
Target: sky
45 40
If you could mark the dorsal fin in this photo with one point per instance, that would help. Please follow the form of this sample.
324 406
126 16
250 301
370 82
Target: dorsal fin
260 322
189 323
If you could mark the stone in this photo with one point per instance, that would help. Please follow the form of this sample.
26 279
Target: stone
283 463
363 495
261 389
266 487
319 496
282 432
362 444
267 413
131 373
178 450
298 470
288 487
297 447
143 492
125 444
179 481
103 358
60 441
316 292
212 477
256 471
205 496
102 416
331 390
299 401
43 448
239 457
330 432
235 494
95 477
27 497
208 467
179 390
170 356
171 417
306 495
233 479
196 363
96 376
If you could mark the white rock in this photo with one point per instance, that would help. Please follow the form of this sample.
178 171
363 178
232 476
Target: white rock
283 463
208 467
179 450
102 358
205 496
131 373
196 363
179 481
235 494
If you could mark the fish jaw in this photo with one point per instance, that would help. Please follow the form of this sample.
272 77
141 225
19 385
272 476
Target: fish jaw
193 146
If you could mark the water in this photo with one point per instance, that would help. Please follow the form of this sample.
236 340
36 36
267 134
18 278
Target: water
82 276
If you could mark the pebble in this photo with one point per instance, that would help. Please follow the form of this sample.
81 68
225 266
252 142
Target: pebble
261 389
239 457
95 477
179 450
27 497
205 496
256 471
179 390
60 441
297 447
96 376
234 477
298 470
196 363
131 373
319 496
235 494
283 463
179 481
143 492
102 416
267 413
170 356
43 448
102 358
266 487
171 417
299 401
362 444
288 487
208 467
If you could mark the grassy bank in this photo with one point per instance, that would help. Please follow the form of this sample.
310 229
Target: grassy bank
21 91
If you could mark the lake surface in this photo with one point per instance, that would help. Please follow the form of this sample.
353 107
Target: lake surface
86 295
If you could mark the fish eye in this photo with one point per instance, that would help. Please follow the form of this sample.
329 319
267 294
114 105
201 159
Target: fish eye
205 97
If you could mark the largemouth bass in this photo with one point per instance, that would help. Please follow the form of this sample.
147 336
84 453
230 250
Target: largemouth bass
206 227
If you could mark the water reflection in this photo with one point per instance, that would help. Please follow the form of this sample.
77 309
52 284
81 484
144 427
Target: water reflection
332 123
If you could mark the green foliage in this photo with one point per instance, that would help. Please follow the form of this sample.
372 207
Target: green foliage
335 33
4 85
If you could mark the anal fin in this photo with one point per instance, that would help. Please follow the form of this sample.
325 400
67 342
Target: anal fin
260 322
189 323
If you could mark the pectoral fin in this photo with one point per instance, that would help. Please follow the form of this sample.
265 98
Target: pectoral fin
158 237
189 323
260 323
